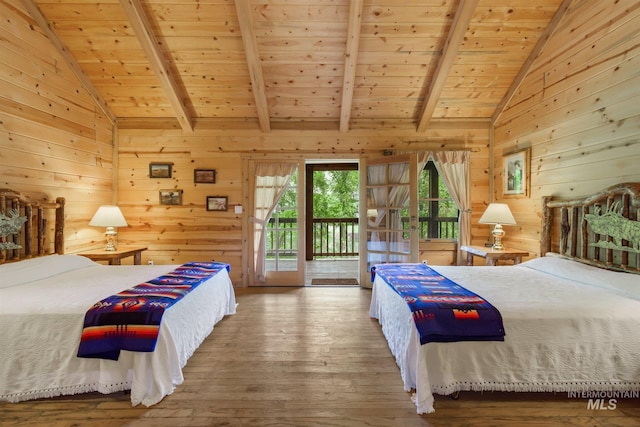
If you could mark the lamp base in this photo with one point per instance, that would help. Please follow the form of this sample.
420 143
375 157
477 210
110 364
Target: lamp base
112 239
497 233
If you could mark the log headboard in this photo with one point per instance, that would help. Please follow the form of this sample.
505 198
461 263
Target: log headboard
601 230
24 226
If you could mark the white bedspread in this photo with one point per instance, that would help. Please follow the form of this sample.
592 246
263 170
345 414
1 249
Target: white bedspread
569 327
41 323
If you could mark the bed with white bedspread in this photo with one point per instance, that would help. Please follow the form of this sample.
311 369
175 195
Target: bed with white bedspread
571 318
44 296
43 302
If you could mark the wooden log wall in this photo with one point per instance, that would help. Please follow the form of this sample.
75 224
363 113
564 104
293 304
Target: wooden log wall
53 139
176 234
577 111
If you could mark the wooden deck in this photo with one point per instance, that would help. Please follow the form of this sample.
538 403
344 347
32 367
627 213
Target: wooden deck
343 268
329 269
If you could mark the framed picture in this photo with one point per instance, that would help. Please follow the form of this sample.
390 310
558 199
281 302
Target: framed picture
160 170
216 203
516 173
204 176
170 197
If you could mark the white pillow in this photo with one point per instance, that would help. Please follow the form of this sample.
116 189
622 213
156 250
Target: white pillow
627 284
29 270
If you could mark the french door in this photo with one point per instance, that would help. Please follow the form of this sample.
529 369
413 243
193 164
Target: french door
388 231
277 207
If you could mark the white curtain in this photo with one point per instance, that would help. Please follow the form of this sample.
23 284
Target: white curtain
453 167
398 196
271 180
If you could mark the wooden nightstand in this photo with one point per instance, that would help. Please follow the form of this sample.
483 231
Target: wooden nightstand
492 256
115 257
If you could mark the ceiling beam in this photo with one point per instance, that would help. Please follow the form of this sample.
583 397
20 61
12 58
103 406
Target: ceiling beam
350 62
461 20
245 19
526 66
71 62
144 32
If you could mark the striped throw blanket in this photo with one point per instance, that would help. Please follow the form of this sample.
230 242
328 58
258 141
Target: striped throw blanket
442 310
130 320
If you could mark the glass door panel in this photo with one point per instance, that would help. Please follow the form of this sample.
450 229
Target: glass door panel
391 201
282 231
278 224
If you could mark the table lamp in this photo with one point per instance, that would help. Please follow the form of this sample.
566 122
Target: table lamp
109 217
498 214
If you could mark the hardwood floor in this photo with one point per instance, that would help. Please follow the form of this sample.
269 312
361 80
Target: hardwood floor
308 356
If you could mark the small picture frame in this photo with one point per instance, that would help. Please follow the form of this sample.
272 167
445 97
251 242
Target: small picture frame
516 173
170 197
160 170
204 176
217 203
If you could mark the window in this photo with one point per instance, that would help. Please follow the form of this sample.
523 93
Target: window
438 213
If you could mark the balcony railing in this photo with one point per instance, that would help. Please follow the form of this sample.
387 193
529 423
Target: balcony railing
339 237
335 237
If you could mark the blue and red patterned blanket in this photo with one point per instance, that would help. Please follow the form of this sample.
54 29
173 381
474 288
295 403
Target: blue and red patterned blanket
443 311
130 320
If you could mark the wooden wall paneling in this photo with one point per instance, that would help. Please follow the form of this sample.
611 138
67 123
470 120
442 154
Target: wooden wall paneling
594 124
27 73
598 92
551 76
53 138
586 146
588 23
175 233
618 147
68 59
438 252
25 78
582 88
577 110
479 184
44 104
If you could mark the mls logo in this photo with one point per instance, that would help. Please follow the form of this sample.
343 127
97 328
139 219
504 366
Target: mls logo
602 404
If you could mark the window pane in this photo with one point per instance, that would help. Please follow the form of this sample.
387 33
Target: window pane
282 232
438 213
447 208
443 192
423 184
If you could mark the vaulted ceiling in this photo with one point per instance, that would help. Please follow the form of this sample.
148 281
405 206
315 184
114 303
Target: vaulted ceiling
293 63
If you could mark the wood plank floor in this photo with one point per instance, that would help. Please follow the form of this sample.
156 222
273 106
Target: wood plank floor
308 356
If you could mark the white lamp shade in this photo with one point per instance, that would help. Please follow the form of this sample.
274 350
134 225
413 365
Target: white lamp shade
497 213
108 216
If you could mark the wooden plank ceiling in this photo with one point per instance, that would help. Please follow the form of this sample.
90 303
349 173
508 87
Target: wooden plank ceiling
293 63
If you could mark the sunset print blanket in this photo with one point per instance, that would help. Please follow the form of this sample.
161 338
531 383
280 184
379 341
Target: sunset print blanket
130 320
443 311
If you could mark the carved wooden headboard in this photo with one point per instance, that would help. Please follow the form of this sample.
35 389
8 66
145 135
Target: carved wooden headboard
601 230
24 226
